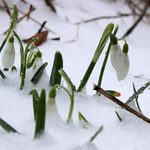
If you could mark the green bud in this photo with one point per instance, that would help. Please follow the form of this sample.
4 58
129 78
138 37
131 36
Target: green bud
52 92
11 39
125 48
113 39
38 54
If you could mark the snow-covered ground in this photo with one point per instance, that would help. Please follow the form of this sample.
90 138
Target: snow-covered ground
16 106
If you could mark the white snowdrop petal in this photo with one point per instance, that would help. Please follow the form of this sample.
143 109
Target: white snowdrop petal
123 73
116 56
8 57
37 64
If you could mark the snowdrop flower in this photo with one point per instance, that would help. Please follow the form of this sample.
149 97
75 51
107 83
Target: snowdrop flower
119 58
51 107
123 73
8 57
38 62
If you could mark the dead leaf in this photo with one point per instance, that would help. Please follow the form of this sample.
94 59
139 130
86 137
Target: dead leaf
42 38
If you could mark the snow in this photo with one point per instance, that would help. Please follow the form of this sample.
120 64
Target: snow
16 106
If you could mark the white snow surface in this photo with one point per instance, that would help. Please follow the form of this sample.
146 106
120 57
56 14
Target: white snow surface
16 106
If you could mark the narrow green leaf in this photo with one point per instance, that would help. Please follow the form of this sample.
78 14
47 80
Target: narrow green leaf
82 118
97 54
55 77
6 126
41 112
139 91
136 98
105 60
12 25
97 132
118 116
35 98
2 74
13 68
38 74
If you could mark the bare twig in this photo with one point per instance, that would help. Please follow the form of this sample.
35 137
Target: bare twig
50 4
117 101
42 26
36 22
7 8
139 19
107 17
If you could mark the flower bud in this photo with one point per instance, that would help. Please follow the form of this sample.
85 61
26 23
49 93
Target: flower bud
113 39
38 62
8 57
125 48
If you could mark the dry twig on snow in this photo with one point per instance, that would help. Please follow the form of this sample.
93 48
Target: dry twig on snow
117 101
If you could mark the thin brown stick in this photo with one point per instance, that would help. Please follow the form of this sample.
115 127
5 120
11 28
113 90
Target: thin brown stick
50 4
117 101
138 20
7 8
35 22
107 17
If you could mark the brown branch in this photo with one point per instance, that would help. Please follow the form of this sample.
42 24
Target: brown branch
35 22
139 19
7 8
117 101
107 17
49 3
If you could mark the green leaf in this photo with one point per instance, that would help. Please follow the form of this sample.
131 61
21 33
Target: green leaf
105 59
35 97
136 98
118 116
38 74
97 54
55 77
83 121
139 91
2 74
41 112
12 25
97 132
6 126
13 68
82 118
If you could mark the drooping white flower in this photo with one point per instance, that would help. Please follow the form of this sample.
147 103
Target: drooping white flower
51 107
123 73
8 57
38 62
119 58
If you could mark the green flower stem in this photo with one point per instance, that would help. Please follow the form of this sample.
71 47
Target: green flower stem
21 52
71 104
13 23
97 54
24 63
105 60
